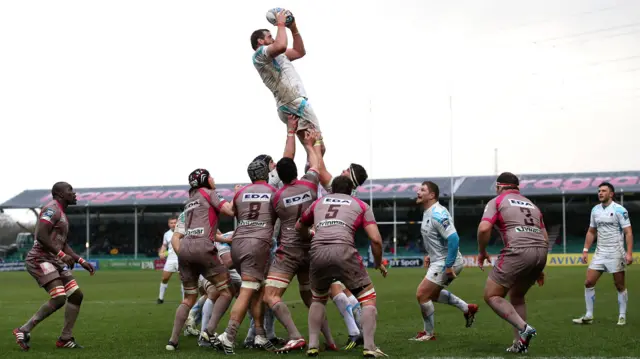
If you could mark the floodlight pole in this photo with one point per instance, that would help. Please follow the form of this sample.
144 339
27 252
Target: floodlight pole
395 230
564 224
135 232
88 241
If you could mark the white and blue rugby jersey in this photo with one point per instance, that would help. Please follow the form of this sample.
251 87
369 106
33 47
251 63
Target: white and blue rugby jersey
609 222
279 75
436 228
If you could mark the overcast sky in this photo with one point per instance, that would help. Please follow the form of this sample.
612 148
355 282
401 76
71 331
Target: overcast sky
118 93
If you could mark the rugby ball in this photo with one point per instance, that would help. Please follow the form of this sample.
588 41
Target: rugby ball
271 16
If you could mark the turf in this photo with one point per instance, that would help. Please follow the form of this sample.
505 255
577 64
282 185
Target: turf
120 319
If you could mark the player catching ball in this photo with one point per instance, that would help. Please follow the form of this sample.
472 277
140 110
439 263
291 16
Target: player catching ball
273 61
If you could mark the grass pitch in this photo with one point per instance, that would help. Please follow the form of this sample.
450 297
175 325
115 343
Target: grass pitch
120 318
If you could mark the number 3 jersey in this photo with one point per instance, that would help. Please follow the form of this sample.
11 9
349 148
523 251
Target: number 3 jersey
337 217
254 212
517 219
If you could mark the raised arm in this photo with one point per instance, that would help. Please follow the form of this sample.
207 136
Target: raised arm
280 44
298 50
290 145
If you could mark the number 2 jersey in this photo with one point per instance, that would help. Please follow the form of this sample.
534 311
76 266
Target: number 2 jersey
337 217
254 212
517 219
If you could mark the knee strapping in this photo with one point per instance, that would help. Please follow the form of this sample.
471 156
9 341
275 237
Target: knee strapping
71 287
304 287
367 296
251 285
276 282
190 290
223 285
56 292
319 296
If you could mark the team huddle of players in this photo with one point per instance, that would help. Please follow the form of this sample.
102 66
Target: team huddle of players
285 228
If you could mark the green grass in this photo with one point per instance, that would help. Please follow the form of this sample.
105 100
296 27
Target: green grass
120 319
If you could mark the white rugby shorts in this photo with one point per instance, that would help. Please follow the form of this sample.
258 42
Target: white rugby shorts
436 272
171 265
608 265
301 108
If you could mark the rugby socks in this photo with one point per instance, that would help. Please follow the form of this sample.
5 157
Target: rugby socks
270 323
623 298
195 312
163 288
589 299
316 317
181 317
45 310
327 332
70 316
251 334
284 316
369 318
181 292
207 309
428 311
507 312
356 310
232 330
219 308
447 297
342 302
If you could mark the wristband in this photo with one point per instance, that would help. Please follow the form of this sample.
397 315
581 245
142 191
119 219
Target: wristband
585 250
61 254
318 143
81 261
297 33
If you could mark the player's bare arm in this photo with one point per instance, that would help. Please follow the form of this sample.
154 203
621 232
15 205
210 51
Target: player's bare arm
161 251
45 235
77 259
317 151
628 237
376 247
280 43
175 241
298 50
290 145
484 236
588 241
228 209
312 155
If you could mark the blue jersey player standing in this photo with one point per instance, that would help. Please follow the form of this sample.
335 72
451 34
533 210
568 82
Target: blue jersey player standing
443 260
611 226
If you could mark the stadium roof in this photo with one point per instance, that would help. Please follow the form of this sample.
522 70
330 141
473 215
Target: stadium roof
400 188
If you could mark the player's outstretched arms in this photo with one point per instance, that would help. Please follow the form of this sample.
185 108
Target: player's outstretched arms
290 145
228 209
280 44
298 51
